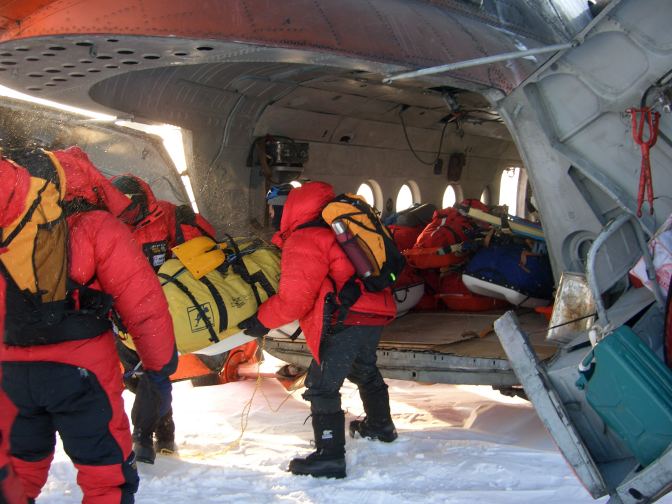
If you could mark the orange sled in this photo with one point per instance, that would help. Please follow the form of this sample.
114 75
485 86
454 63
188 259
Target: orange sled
190 366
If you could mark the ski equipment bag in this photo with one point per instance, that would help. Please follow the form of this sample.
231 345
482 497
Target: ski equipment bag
510 271
43 305
208 309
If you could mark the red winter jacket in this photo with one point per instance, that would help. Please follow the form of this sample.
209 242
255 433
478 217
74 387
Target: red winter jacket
101 249
312 262
158 232
14 185
153 232
14 182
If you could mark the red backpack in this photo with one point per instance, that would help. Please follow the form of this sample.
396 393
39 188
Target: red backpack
448 227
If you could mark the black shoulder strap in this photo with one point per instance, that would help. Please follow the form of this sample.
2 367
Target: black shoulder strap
240 268
347 297
78 205
179 235
26 218
319 222
37 162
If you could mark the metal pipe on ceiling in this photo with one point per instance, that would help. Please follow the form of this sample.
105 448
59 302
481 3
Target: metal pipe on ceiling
479 61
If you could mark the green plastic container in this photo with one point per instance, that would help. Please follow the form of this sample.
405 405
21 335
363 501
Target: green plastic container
631 390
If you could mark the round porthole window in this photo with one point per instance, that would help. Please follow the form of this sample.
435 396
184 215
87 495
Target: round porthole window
366 192
449 197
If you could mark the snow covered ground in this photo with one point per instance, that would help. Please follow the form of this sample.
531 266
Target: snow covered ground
457 444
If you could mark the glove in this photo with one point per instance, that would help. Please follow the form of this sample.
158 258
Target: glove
252 327
184 214
146 410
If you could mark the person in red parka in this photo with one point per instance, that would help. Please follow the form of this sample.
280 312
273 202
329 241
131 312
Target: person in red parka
13 192
313 270
157 226
73 386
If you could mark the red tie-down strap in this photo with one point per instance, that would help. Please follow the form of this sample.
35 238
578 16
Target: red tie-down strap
640 117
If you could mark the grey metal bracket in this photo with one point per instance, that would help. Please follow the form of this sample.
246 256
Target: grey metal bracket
610 230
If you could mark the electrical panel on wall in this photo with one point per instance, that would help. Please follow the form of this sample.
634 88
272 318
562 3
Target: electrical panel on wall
281 159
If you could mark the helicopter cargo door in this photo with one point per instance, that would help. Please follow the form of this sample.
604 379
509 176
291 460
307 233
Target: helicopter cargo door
548 405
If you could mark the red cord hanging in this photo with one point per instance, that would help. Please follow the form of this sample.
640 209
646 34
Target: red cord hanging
640 117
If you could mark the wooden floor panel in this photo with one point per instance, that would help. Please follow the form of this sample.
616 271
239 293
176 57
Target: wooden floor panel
461 333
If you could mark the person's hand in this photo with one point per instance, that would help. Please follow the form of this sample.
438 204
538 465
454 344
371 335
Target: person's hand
184 214
252 327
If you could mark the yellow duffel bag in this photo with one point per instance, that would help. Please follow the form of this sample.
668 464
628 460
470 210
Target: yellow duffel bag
208 309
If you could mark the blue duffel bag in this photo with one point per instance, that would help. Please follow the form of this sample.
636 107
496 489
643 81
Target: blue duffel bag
511 272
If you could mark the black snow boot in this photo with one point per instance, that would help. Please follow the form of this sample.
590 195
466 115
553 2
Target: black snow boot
328 460
385 432
165 435
143 447
378 422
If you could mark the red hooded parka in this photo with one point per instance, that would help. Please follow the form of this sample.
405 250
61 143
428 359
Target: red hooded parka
102 252
103 255
158 231
13 191
312 264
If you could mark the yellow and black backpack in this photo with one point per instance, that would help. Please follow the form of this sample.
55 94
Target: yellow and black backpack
367 243
43 305
359 230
